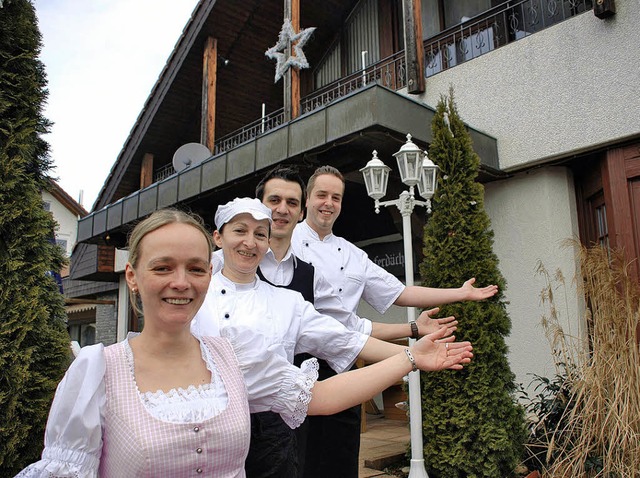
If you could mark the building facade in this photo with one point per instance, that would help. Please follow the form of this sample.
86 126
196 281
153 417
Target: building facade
549 91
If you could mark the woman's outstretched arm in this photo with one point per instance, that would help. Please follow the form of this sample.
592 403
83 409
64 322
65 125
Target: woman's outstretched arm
431 353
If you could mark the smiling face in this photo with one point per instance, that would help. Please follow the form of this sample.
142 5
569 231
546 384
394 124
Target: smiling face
324 202
172 274
284 198
244 242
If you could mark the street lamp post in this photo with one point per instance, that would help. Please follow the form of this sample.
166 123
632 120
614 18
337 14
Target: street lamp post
415 169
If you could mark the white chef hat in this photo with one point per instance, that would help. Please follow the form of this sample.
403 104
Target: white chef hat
252 206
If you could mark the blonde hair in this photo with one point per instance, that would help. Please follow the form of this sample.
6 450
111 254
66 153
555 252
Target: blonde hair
155 221
321 171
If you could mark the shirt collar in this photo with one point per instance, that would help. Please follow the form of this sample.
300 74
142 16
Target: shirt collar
220 281
288 256
313 234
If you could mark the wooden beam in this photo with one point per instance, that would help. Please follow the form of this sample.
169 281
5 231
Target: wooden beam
413 45
295 72
386 29
208 108
291 78
146 171
616 191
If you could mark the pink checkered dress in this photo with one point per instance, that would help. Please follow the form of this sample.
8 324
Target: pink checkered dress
135 444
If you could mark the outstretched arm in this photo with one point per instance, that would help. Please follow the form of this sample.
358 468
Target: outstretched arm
377 349
426 325
432 352
418 296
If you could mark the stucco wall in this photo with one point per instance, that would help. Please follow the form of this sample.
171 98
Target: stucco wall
67 221
558 91
533 215
571 88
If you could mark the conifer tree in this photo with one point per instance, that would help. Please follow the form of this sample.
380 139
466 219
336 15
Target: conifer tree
472 425
34 344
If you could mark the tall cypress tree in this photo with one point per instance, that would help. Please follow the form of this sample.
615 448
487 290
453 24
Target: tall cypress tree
34 344
472 424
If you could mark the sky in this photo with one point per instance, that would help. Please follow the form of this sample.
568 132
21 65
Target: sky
102 58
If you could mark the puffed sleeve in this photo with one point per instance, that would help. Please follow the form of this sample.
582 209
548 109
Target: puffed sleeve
73 437
273 384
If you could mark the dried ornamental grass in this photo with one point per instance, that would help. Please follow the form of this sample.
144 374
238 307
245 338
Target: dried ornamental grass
602 433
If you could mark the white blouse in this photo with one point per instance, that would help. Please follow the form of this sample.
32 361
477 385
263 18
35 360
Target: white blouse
73 436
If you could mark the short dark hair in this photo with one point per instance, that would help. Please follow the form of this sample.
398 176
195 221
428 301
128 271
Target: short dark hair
321 171
286 173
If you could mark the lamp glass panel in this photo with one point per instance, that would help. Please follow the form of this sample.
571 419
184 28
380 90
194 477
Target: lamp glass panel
375 179
427 185
409 164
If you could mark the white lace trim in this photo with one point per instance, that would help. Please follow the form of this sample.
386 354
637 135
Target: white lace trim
195 404
305 381
62 462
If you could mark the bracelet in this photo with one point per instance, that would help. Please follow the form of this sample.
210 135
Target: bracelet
414 330
414 367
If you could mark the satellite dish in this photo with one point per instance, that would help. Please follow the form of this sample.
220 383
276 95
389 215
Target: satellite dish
189 155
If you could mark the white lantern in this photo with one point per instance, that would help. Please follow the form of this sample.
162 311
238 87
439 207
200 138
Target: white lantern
376 176
409 159
428 182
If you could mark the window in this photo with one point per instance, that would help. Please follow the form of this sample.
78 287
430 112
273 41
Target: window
84 334
63 245
608 200
602 231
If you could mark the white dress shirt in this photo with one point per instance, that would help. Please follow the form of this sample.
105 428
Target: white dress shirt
282 316
347 268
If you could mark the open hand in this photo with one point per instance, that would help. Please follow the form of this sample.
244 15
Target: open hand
428 325
478 293
437 351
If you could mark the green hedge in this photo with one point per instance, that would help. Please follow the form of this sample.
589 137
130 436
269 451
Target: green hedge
34 344
472 424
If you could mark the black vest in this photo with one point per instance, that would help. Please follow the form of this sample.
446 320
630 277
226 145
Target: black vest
302 279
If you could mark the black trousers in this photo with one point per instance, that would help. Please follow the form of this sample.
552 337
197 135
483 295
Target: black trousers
332 442
273 451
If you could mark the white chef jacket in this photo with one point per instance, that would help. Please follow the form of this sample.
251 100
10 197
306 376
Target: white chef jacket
347 268
280 315
326 301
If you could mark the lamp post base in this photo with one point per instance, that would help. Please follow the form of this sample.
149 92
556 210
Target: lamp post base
417 469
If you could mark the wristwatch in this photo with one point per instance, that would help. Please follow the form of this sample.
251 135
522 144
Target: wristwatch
414 330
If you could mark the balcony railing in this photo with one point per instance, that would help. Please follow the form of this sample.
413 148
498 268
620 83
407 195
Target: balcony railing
390 72
499 26
250 131
494 28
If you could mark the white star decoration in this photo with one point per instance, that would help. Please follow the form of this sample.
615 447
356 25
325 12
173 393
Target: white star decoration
289 37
